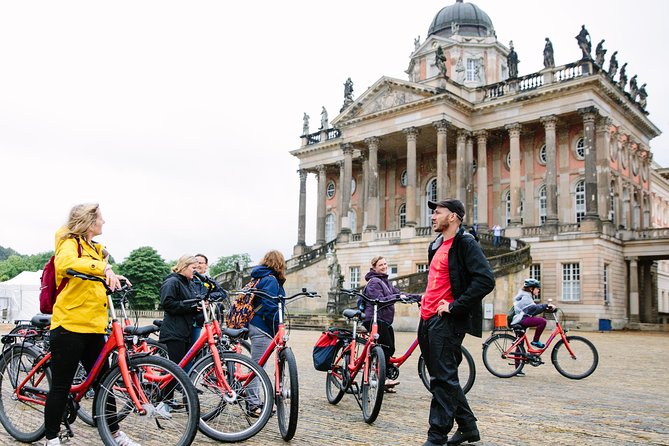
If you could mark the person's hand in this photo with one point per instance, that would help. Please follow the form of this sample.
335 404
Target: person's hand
121 278
444 307
112 279
550 307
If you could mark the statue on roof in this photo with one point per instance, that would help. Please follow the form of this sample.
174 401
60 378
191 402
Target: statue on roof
549 61
348 94
324 119
622 77
642 96
634 90
512 61
305 124
600 52
613 65
440 62
416 43
583 39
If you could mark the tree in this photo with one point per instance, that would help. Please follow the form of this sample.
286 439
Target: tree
146 270
16 264
229 263
5 253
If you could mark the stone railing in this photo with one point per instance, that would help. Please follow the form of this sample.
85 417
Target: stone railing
315 138
356 237
530 82
387 235
309 258
566 72
569 227
644 234
424 231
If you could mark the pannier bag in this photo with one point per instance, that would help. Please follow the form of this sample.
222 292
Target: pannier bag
324 350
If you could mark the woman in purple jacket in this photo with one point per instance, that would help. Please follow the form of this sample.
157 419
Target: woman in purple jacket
378 287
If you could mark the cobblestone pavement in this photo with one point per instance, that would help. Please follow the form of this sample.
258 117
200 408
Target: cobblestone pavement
625 402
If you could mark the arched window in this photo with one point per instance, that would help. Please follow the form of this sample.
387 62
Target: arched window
352 218
579 149
626 208
542 205
430 195
403 215
330 189
404 178
507 207
579 201
542 155
330 227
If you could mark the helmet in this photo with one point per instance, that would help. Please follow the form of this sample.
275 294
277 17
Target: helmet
531 283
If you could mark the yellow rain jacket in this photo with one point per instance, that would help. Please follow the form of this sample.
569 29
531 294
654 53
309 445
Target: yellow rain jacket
81 306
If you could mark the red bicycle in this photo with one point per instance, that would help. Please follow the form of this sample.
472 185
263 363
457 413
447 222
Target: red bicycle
505 355
134 391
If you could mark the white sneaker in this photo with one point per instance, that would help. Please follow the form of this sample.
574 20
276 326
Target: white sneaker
122 439
163 410
53 442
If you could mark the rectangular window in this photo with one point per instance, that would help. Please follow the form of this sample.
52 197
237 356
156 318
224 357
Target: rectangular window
535 271
392 271
354 277
607 289
472 65
571 282
422 267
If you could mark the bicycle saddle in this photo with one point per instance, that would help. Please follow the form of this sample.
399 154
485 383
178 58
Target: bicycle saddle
350 313
140 331
41 320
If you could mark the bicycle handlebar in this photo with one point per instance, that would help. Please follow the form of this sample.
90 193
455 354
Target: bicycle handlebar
264 295
391 298
84 276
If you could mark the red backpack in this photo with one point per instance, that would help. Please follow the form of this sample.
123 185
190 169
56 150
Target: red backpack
48 291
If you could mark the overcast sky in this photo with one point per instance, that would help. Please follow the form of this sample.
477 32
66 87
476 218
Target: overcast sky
177 117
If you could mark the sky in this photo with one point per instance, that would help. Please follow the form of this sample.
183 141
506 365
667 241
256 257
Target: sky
178 117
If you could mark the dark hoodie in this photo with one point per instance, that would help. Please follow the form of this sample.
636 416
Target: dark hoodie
378 287
266 317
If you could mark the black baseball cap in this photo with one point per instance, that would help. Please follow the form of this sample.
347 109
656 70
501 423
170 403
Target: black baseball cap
451 204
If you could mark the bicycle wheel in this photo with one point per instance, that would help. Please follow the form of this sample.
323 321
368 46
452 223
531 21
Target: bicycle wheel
372 390
579 365
466 371
335 380
497 361
156 348
171 413
226 417
22 420
288 399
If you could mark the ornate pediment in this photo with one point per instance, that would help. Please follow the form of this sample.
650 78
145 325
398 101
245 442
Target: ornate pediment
386 94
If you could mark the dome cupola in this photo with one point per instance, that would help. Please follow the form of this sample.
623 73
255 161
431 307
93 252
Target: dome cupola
465 19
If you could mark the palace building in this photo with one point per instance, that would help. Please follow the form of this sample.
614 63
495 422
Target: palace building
560 159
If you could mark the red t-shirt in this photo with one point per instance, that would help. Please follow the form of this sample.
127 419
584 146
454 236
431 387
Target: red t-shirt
438 282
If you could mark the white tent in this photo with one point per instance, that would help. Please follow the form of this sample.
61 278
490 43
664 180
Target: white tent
19 296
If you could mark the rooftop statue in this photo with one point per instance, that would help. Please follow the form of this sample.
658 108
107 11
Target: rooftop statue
512 61
622 77
416 43
324 119
642 96
305 124
634 90
549 61
583 39
348 89
599 53
613 65
440 61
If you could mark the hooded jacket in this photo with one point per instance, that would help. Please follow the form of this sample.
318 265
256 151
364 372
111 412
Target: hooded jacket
378 287
179 316
524 306
471 277
266 316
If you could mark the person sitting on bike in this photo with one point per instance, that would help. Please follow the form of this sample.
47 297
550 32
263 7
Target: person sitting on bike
527 310
378 287
179 318
79 321
271 275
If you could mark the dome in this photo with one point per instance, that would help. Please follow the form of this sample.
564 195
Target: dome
469 19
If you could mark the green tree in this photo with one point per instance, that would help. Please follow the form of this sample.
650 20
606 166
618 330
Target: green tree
228 263
5 253
16 264
146 270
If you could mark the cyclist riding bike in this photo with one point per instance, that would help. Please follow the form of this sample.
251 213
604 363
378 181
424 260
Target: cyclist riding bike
526 308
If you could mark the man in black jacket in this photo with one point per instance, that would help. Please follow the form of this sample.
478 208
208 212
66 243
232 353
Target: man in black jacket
459 278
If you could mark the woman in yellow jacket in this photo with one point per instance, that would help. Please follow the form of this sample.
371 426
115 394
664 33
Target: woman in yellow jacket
80 316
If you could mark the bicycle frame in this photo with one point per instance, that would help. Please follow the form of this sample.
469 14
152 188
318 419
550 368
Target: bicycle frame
398 361
558 330
356 362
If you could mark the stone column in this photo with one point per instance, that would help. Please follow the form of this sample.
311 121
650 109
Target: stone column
346 189
373 185
340 196
498 209
482 179
550 124
320 207
591 220
442 157
411 135
469 180
565 204
302 213
633 274
603 142
514 146
363 187
460 169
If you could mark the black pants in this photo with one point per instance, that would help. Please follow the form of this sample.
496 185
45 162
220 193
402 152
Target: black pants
386 338
440 346
67 350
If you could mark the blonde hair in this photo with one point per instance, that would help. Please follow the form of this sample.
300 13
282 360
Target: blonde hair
183 263
275 260
376 259
80 220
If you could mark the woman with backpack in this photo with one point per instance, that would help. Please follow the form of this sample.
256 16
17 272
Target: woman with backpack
270 275
379 288
80 314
